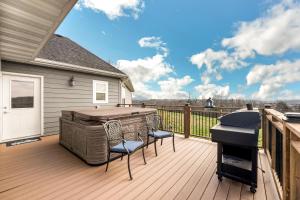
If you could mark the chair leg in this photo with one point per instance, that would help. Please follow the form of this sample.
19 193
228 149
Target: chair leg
173 143
161 141
108 160
147 141
144 156
122 156
128 163
155 146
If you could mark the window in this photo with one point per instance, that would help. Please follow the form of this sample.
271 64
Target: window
100 91
22 94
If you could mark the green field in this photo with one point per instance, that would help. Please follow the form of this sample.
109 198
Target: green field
200 124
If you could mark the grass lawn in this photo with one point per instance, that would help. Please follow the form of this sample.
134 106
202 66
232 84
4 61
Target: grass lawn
201 122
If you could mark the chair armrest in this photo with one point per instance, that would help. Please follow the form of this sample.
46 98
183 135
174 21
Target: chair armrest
139 136
123 143
171 127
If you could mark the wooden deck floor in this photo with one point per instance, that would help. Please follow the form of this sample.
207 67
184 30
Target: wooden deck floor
45 170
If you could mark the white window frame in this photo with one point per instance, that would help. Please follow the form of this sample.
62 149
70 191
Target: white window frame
94 91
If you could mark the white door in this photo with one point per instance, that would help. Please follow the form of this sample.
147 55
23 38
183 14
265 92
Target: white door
21 107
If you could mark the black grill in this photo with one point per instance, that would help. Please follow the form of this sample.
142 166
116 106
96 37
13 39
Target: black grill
237 138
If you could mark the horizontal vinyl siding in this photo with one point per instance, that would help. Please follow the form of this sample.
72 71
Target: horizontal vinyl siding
58 95
128 96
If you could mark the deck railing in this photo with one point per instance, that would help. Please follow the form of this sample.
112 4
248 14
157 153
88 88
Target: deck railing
281 142
188 120
279 139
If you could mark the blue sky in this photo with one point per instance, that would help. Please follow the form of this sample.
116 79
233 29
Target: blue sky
173 49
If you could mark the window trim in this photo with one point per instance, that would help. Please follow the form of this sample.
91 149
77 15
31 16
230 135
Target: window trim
94 91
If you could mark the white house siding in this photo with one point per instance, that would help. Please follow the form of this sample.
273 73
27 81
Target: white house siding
128 96
58 95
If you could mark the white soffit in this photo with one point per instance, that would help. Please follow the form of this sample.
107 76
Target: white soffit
26 25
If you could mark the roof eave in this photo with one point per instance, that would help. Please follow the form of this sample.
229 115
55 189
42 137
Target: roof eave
72 67
60 18
26 30
128 83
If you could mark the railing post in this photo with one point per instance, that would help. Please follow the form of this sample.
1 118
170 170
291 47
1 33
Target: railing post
273 142
263 127
286 162
294 167
187 120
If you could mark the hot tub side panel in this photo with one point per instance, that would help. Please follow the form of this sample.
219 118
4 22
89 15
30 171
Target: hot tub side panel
89 141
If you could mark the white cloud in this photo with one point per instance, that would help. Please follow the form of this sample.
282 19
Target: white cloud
273 78
154 42
282 72
144 71
147 69
208 57
274 33
78 5
237 96
171 88
288 94
213 90
268 91
215 61
115 8
217 91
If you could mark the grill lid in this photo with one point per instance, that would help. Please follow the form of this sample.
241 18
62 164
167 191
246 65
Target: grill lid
242 118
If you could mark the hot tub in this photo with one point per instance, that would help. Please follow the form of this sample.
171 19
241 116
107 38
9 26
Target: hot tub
82 131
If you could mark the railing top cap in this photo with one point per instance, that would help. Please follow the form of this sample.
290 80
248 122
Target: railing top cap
294 127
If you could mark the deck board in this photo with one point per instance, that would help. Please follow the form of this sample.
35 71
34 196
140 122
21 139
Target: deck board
210 190
234 191
148 186
181 174
197 183
46 170
223 190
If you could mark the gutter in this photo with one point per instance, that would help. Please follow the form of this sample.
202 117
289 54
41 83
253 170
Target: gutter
72 67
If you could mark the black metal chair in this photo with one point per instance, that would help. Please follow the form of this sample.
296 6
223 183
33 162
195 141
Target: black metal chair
117 144
154 122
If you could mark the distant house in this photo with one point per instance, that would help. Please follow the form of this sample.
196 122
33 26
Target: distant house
41 77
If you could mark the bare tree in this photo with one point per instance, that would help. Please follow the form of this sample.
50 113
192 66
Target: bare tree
282 106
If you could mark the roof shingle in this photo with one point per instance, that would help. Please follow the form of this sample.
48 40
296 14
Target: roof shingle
62 49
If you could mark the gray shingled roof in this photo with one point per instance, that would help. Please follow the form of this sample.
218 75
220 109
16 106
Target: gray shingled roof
62 49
